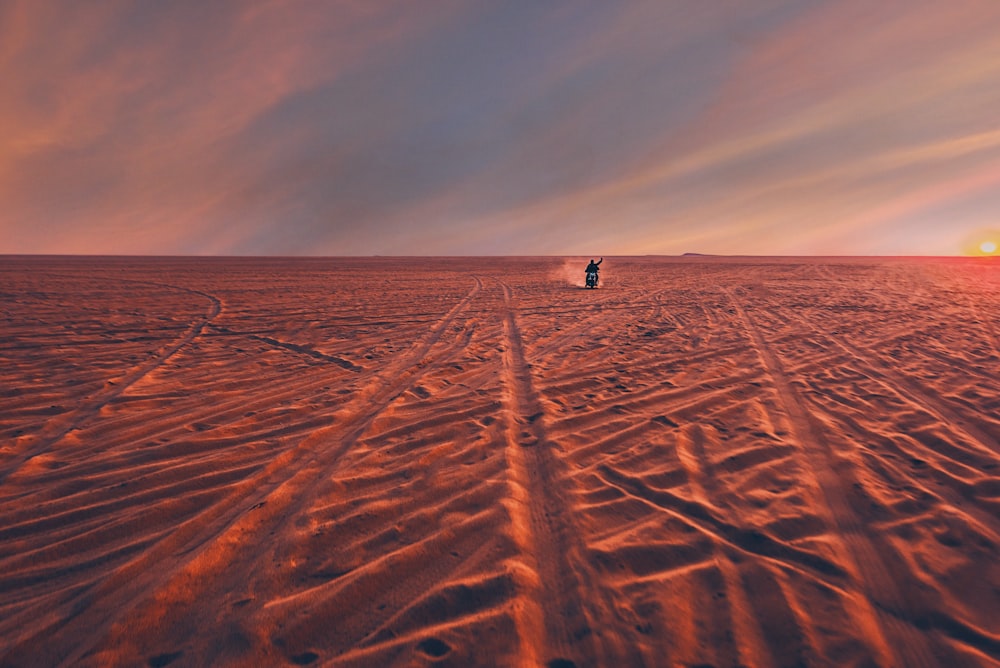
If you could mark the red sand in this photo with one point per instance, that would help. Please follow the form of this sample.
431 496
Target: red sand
766 462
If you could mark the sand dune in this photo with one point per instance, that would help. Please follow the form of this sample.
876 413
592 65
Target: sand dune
368 462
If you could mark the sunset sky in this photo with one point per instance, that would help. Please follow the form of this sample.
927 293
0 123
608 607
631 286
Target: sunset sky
468 127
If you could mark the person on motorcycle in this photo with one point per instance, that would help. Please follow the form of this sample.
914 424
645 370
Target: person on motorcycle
593 268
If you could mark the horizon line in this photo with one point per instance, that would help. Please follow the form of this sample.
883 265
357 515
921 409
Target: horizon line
457 256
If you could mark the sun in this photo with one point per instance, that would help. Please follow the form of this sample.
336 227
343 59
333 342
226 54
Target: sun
982 242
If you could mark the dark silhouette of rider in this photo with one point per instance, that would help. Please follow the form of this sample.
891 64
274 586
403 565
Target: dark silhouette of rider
592 268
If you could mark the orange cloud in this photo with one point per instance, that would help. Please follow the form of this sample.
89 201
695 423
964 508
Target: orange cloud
448 128
122 122
815 140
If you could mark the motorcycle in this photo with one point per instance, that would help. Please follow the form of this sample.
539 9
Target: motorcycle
592 279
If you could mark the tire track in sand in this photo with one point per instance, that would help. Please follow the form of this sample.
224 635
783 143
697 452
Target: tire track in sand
167 574
559 620
278 344
884 611
734 606
56 430
912 392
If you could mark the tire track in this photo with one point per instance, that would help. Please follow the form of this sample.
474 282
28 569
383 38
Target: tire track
691 452
885 614
906 390
92 406
981 318
703 518
293 347
165 427
552 343
217 534
559 619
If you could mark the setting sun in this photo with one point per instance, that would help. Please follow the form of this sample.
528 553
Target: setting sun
982 242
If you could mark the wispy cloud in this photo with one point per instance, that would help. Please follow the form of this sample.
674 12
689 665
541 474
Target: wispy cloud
786 126
129 127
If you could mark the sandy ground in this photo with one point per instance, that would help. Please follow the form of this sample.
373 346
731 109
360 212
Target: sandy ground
706 462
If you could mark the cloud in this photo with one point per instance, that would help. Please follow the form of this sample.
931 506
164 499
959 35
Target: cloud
128 124
814 145
786 126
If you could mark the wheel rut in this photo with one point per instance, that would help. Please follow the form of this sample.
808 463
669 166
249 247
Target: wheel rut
256 506
55 431
911 392
293 347
885 612
558 626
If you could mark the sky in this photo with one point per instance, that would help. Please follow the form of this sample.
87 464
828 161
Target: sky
513 127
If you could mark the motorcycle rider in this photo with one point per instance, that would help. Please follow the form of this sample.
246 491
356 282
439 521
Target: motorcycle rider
593 268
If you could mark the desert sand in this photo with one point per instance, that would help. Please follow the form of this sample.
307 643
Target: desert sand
372 462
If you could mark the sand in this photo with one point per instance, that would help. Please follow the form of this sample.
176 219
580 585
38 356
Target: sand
371 462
